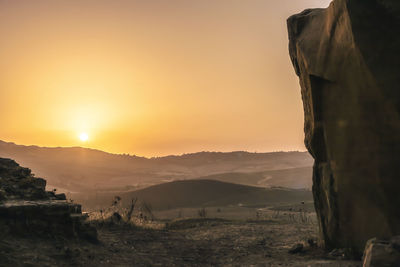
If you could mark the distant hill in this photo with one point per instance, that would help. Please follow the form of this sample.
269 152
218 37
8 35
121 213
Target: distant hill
296 178
78 169
205 193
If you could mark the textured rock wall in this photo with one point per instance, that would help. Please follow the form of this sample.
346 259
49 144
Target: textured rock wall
17 182
27 208
348 60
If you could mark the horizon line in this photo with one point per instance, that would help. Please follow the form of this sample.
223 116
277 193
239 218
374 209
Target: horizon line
151 157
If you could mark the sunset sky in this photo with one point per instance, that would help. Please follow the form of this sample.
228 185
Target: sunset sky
150 77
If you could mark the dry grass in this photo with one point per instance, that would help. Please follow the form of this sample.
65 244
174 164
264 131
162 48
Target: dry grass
138 214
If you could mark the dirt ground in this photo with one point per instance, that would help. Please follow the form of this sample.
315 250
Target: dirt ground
184 242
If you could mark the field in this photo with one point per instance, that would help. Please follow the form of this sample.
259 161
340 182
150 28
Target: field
235 213
225 236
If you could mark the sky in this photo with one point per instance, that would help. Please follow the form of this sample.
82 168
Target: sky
150 77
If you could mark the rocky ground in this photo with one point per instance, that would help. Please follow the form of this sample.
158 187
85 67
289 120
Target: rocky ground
187 242
41 228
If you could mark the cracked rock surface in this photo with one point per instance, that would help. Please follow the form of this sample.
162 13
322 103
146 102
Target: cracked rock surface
347 58
26 208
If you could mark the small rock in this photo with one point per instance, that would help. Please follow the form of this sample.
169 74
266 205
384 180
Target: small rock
337 253
311 242
381 253
296 248
395 242
60 196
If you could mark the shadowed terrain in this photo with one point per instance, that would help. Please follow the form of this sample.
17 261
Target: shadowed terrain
211 242
198 193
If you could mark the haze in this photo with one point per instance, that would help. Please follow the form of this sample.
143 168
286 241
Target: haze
150 77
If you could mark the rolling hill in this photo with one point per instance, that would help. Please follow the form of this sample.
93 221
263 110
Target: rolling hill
203 193
83 170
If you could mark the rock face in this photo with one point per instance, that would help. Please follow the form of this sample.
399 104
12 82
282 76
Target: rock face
26 208
348 60
17 182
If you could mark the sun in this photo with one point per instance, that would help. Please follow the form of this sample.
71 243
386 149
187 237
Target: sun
83 137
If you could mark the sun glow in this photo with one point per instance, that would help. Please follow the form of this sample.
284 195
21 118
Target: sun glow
84 137
188 83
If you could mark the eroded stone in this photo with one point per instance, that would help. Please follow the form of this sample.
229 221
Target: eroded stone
26 208
347 58
380 253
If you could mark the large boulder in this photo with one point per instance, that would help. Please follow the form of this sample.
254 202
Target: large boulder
347 57
382 253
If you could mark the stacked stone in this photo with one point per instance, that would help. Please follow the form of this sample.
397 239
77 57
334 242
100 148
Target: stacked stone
17 182
26 206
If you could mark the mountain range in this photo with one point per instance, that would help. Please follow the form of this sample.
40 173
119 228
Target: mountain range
80 170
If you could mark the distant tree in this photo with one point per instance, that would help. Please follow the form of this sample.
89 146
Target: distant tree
202 213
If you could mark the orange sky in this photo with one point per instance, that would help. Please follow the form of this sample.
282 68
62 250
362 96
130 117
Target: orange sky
150 77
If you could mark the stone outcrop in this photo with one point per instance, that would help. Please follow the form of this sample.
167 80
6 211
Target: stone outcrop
382 253
17 182
26 207
347 57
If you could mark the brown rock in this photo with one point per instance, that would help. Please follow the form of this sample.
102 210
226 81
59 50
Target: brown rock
297 248
61 196
380 253
26 208
19 183
347 58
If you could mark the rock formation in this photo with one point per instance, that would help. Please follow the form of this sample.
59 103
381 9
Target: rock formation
26 208
17 182
379 253
347 57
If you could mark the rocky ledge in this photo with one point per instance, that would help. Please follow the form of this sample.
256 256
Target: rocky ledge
27 208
